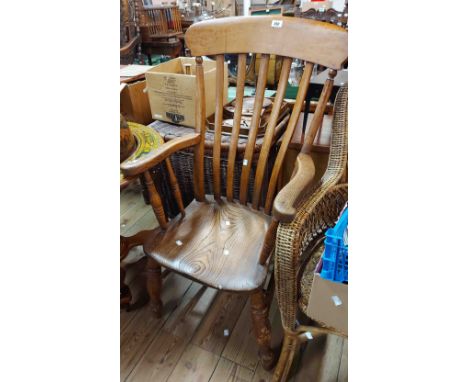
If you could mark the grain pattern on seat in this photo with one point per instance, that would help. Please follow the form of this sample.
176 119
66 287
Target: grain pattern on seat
217 243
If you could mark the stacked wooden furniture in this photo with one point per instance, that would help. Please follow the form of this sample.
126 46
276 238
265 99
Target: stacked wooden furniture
300 240
130 39
161 30
217 240
339 18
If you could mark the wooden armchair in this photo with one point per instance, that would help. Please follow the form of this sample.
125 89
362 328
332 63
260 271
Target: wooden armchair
218 241
294 261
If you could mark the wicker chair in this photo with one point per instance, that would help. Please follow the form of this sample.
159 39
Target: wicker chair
294 261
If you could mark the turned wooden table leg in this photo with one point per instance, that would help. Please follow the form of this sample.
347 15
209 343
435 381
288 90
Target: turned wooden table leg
125 293
262 328
127 243
154 285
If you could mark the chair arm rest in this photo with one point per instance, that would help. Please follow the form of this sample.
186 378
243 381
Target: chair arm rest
136 165
287 200
127 48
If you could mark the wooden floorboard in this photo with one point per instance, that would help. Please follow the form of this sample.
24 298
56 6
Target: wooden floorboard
196 364
161 357
241 347
144 327
343 372
321 359
218 324
205 335
228 371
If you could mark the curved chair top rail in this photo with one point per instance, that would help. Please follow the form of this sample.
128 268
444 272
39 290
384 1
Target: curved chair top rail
314 41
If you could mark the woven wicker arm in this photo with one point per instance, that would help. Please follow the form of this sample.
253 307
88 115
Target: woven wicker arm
314 211
293 239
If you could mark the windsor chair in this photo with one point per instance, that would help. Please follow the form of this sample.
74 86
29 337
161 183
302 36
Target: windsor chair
219 241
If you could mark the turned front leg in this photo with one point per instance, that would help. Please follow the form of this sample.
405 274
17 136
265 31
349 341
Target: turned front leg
154 285
262 327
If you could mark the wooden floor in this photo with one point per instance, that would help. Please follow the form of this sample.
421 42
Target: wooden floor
204 335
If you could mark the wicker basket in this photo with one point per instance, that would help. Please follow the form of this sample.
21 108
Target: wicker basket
182 162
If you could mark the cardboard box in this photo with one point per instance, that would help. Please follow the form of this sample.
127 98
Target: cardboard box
134 105
328 303
171 92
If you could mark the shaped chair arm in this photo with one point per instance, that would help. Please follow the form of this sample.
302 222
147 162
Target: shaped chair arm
288 199
137 165
127 48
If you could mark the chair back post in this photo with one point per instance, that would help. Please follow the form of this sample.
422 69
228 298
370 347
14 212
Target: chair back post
319 112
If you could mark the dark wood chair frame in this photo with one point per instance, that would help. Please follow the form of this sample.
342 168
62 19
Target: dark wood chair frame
265 35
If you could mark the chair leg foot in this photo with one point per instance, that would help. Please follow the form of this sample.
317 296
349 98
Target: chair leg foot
154 286
288 351
262 328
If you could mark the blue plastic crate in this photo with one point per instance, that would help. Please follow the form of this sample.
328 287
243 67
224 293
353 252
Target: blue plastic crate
335 257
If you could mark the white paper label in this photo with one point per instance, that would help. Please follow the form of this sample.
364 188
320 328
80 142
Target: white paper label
245 162
277 23
336 300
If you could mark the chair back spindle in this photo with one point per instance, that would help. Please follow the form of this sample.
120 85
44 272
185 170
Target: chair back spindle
264 36
241 73
268 138
200 127
218 126
253 128
319 112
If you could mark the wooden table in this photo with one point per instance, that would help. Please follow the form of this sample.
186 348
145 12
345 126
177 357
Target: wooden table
148 141
134 103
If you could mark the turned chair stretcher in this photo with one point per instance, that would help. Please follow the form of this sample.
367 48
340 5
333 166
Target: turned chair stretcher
217 240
